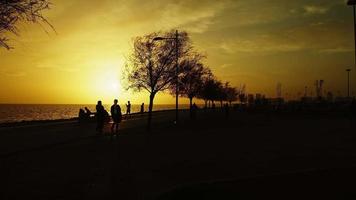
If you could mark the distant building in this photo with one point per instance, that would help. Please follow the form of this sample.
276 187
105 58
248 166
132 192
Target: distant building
275 101
343 100
250 99
307 100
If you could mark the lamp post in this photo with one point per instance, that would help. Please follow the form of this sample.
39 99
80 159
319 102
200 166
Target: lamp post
348 82
177 57
353 3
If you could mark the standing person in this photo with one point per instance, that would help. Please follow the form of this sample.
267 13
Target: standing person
81 115
142 108
116 116
87 113
128 108
100 117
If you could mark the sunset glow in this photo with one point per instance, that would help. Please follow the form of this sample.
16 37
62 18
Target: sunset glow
291 42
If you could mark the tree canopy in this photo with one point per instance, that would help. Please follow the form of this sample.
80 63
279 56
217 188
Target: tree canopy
152 66
152 63
14 11
191 76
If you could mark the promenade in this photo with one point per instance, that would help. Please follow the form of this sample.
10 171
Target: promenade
68 161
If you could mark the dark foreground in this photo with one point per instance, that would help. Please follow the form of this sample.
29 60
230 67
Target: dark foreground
244 156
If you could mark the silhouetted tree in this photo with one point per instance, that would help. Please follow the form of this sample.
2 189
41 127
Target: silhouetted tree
214 90
191 77
221 93
231 93
152 65
14 11
211 89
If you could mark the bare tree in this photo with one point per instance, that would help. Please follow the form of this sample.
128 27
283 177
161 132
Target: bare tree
211 89
231 93
191 79
151 66
221 93
14 11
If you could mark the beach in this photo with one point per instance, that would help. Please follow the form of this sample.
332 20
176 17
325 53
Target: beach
240 153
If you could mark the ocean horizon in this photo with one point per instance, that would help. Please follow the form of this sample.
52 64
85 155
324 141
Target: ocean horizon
33 112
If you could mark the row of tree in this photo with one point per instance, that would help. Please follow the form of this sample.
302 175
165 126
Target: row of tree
152 67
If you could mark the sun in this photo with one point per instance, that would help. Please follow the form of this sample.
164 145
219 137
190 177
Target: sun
105 79
114 85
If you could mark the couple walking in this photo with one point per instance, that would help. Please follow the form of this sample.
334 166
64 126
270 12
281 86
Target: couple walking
102 116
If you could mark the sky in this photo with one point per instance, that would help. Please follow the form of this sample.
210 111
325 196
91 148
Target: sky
256 43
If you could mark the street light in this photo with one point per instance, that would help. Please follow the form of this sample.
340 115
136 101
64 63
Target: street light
177 57
353 3
348 82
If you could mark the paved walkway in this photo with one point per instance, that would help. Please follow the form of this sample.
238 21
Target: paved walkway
38 136
137 165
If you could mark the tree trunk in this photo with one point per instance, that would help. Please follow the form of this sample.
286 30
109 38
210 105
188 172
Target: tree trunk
190 106
150 107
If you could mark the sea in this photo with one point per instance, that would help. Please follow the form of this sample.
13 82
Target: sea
33 112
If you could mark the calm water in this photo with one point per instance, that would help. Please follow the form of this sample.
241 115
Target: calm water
29 112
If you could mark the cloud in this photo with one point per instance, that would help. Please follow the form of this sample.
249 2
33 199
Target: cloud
336 50
44 66
260 44
312 9
225 65
68 69
311 34
195 19
13 74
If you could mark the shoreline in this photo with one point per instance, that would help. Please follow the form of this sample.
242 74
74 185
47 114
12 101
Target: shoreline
72 119
284 111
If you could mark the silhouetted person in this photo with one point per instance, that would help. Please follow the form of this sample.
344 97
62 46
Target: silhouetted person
81 115
142 108
87 113
128 108
116 116
100 117
106 116
213 106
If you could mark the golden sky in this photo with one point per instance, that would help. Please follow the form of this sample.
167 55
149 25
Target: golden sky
254 42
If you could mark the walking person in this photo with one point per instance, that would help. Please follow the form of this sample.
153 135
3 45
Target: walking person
100 117
128 108
87 113
116 116
81 115
142 108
